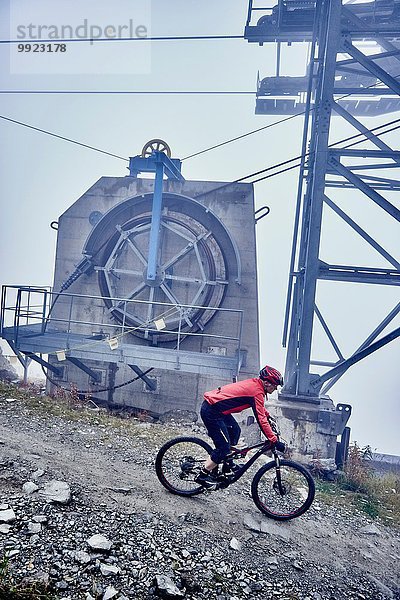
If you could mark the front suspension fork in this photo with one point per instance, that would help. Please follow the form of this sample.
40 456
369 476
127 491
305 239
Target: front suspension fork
278 473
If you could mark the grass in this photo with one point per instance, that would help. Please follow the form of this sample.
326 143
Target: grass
9 590
67 405
361 487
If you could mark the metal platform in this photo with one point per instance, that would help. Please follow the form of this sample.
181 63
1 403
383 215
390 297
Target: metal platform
46 324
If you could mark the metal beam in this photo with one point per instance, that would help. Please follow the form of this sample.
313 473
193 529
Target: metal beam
56 370
361 232
317 383
372 67
382 325
150 383
362 129
78 363
366 189
359 274
322 116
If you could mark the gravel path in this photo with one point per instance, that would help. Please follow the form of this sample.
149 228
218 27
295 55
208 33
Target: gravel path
214 546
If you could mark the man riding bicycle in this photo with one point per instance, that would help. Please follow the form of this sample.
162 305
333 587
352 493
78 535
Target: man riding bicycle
216 413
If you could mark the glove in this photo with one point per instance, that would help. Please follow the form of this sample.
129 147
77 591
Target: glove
280 446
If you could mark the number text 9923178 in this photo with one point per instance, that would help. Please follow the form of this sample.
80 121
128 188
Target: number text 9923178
55 47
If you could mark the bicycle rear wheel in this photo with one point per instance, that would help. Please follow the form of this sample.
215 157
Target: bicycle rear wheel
285 502
179 461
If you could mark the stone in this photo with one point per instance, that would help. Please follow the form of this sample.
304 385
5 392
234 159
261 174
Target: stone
40 577
36 474
34 527
57 492
281 531
251 523
39 519
235 544
4 528
110 592
99 542
109 569
82 557
370 530
7 516
29 487
167 588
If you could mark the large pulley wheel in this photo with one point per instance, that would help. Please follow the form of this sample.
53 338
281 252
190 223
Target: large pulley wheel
192 274
155 145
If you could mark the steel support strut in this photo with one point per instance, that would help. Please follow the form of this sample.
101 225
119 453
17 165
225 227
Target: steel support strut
312 233
360 84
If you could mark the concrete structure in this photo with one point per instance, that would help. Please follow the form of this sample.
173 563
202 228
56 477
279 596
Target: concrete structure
311 429
208 259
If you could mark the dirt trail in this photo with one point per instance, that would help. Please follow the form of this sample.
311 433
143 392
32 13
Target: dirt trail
328 553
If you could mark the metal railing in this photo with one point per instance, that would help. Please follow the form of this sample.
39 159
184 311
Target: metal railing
28 311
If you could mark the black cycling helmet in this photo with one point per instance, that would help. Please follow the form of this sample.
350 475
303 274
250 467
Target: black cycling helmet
271 375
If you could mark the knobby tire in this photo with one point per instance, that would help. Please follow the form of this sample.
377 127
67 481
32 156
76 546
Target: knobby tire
171 457
300 490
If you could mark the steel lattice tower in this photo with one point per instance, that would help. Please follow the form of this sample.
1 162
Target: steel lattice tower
344 81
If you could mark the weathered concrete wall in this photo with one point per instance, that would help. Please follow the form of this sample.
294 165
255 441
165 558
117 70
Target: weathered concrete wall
234 206
302 426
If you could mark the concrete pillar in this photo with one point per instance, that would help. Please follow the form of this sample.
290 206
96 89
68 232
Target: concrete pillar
310 429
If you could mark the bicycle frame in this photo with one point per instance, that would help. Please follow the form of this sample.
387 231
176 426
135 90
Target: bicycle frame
264 446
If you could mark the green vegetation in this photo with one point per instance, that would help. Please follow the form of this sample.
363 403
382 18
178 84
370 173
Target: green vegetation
68 405
374 494
21 591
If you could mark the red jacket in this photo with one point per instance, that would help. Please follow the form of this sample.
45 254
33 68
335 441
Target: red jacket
235 397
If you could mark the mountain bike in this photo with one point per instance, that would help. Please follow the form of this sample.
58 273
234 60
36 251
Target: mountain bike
281 489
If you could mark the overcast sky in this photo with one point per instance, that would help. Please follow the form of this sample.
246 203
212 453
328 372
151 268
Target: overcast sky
42 176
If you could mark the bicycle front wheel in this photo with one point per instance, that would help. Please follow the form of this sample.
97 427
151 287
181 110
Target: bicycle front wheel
179 462
287 499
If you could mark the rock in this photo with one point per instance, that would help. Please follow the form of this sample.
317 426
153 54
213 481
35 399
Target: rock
110 592
121 490
39 519
55 491
29 487
370 530
5 528
61 585
235 544
99 542
34 527
167 587
323 464
281 531
296 565
109 569
36 474
251 523
7 516
82 557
